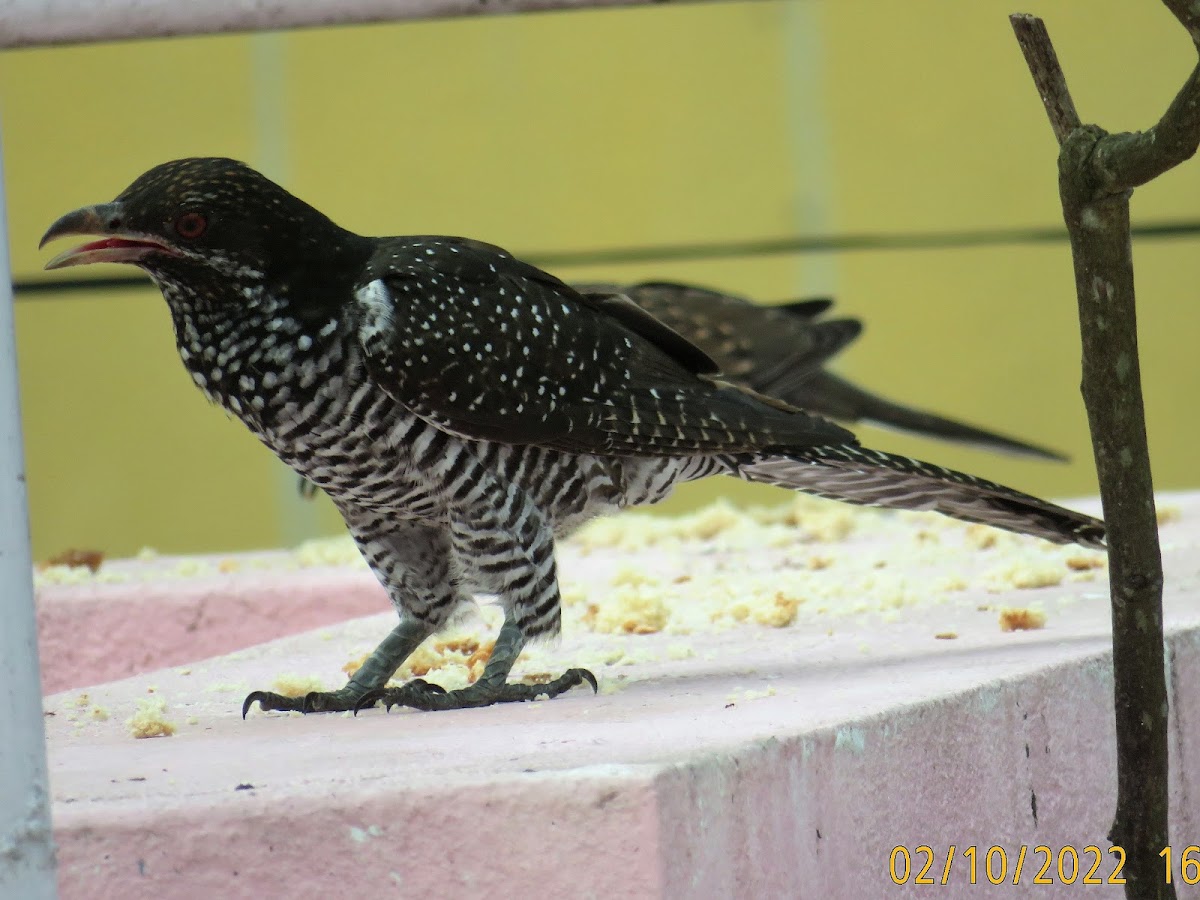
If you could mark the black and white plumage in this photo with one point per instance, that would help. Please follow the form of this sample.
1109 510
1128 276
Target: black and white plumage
463 409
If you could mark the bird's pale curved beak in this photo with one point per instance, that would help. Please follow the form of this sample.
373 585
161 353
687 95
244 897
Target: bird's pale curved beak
117 245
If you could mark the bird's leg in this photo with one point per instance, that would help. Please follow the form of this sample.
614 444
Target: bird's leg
371 676
492 687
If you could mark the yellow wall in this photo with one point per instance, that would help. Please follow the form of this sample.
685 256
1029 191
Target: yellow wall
597 129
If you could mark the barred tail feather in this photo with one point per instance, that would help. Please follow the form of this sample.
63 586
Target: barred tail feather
874 478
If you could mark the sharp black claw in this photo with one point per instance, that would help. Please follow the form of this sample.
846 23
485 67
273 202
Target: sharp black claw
427 686
587 676
367 700
250 700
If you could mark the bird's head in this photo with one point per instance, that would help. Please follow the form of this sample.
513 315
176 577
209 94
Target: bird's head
210 226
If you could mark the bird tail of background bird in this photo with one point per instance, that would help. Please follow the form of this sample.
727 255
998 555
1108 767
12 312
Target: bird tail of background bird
830 395
874 478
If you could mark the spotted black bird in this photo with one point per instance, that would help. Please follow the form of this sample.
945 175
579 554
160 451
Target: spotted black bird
463 409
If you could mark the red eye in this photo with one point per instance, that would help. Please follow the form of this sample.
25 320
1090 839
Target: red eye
191 225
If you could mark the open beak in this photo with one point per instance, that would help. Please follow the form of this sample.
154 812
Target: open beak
118 244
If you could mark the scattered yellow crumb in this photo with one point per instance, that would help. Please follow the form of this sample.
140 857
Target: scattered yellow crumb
631 577
982 537
1012 619
1081 562
149 720
61 575
830 526
83 700
193 720
183 671
337 551
226 566
780 613
292 685
680 651
147 553
705 524
638 610
819 562
1165 514
573 596
946 635
421 662
99 713
1024 575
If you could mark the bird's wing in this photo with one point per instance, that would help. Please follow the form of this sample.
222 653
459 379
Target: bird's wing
745 338
490 348
779 350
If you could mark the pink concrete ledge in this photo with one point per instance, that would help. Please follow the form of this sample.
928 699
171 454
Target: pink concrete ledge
746 761
100 630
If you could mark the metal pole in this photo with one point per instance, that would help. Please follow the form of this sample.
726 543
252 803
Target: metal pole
25 23
26 839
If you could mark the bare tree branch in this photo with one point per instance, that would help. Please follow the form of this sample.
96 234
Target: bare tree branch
1188 14
1125 161
1047 74
1097 174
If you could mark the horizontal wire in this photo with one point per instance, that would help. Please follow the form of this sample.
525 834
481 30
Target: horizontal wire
933 240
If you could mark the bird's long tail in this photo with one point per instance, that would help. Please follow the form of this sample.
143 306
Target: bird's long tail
828 394
874 478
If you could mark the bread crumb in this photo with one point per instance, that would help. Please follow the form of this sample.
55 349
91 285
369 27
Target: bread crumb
1021 619
61 575
147 553
631 577
226 566
1081 562
680 651
946 636
629 610
83 700
149 721
293 685
1165 514
1025 575
981 537
573 596
99 713
780 613
712 520
337 551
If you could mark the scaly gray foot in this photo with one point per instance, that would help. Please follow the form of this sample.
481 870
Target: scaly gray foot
421 695
341 700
